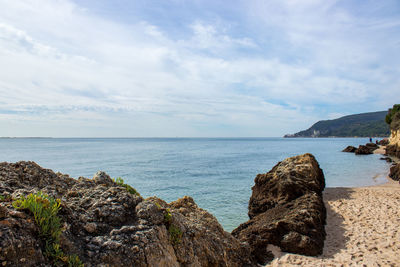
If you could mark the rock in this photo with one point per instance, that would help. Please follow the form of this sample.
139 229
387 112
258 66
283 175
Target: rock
105 225
3 211
102 178
372 146
349 149
19 244
206 238
286 209
395 172
387 159
393 150
287 181
384 142
363 150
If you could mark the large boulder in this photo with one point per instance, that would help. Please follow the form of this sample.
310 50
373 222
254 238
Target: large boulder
287 181
105 225
286 209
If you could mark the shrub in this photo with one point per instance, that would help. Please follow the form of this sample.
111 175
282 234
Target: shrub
44 210
391 114
119 181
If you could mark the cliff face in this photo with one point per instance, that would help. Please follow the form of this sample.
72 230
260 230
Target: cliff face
393 117
394 138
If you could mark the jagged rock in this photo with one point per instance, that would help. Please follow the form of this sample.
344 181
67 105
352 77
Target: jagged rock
349 149
286 209
105 225
287 181
363 150
395 172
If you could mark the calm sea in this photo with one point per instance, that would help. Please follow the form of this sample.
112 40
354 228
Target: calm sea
217 172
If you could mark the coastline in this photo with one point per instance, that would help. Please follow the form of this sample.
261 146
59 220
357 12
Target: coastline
362 228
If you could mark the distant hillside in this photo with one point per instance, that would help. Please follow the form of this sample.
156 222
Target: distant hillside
362 125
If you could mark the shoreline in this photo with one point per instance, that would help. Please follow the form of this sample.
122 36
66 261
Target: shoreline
362 228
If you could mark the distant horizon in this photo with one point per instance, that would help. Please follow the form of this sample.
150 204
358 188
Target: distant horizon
193 68
182 137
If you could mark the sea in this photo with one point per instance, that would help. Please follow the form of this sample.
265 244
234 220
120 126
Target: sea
217 172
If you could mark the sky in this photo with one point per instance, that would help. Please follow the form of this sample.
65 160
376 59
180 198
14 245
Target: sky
175 68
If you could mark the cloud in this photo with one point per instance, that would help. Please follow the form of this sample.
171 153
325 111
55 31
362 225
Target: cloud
299 62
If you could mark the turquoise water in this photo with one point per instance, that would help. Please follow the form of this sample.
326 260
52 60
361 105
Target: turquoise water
217 172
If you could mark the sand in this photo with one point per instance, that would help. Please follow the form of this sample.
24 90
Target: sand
363 229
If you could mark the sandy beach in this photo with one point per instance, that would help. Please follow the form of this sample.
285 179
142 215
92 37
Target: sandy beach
363 229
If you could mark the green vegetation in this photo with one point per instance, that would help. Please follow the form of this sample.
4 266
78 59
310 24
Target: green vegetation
363 125
175 234
119 181
393 117
44 210
5 198
168 216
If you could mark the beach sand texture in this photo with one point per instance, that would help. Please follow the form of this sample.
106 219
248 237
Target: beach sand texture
363 229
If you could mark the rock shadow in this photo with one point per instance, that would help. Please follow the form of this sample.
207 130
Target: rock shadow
335 232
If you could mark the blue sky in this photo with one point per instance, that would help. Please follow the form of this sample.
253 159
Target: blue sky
193 68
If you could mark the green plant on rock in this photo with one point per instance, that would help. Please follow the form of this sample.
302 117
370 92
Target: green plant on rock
175 234
119 181
167 216
44 209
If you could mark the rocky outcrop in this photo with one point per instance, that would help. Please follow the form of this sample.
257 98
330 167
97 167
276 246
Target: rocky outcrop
367 149
395 172
286 209
105 225
362 150
351 149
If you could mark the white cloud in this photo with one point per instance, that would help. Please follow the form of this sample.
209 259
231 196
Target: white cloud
62 62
